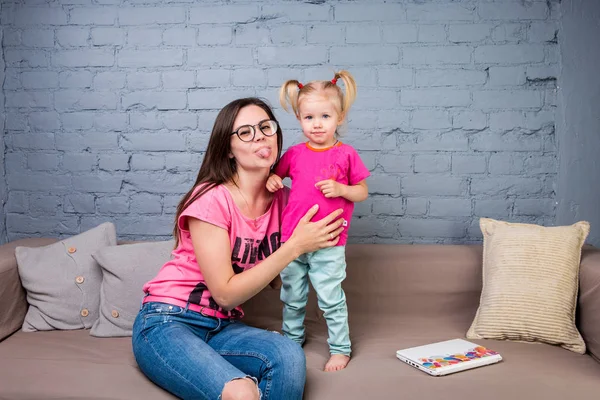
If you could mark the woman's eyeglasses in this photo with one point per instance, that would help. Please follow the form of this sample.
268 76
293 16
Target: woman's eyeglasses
246 133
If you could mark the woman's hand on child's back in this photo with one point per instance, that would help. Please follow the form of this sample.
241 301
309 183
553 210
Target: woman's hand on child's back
311 236
274 183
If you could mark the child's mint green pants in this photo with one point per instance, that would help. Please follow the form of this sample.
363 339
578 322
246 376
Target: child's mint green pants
326 269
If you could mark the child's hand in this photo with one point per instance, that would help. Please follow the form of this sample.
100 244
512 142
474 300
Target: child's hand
331 188
274 183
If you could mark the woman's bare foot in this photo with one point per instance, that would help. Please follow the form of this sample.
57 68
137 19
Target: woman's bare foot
337 362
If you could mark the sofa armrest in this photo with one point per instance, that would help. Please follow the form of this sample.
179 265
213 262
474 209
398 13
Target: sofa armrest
13 302
589 300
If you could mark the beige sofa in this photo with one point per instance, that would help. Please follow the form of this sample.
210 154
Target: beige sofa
398 296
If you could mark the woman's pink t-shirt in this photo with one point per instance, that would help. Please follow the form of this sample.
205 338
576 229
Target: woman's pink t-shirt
180 280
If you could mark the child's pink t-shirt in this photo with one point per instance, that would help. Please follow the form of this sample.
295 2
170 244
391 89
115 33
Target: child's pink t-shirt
180 280
306 166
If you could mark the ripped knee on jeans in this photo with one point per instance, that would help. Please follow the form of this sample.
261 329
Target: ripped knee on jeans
247 377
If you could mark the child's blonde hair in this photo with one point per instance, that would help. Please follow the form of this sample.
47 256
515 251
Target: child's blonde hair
292 92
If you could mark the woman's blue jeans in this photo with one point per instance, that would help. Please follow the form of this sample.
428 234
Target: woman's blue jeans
193 356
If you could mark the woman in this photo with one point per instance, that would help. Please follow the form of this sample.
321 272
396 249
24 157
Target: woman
188 337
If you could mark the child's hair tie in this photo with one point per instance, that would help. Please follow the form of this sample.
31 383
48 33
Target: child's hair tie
300 86
334 81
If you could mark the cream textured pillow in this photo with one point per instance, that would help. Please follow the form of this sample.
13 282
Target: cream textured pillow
530 283
125 270
62 280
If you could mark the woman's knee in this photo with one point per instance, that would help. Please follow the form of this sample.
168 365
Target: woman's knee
290 357
241 389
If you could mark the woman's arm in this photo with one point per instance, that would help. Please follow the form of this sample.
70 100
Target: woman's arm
213 252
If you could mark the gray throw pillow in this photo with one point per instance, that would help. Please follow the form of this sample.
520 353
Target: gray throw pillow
126 268
62 280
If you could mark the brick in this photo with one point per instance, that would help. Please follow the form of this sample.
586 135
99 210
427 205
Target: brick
12 79
53 225
83 58
388 206
298 12
433 141
432 33
77 121
384 184
170 183
220 56
378 99
73 37
507 99
513 11
440 12
548 72
114 162
28 99
38 38
252 34
363 209
34 141
153 142
75 79
212 99
450 208
470 120
93 16
15 161
416 206
540 32
468 164
399 33
38 182
78 162
157 224
394 163
373 226
297 55
288 34
506 76
223 14
66 100
44 121
179 37
395 77
144 37
11 37
109 80
143 80
490 208
449 77
432 163
547 164
113 205
25 58
182 162
147 162
100 182
469 33
509 54
505 186
110 121
24 16
18 202
208 78
325 34
432 228
361 55
431 119
178 79
363 34
79 204
43 162
108 36
86 141
158 100
39 80
433 185
534 207
144 203
509 141
506 163
436 55
198 142
369 158
435 97
151 15
360 12
15 121
150 58
249 77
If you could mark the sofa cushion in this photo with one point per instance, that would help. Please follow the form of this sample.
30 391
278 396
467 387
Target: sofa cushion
588 308
530 283
125 270
62 280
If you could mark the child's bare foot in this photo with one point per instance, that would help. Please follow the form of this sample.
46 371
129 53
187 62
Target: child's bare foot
337 362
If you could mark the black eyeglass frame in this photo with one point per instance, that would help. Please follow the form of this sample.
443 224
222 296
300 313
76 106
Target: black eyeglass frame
274 124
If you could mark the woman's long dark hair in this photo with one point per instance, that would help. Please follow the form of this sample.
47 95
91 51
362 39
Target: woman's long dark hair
217 167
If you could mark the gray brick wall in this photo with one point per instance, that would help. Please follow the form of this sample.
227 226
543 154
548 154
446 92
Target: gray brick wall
109 106
3 190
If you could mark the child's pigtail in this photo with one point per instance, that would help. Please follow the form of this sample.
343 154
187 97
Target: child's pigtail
288 94
350 87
